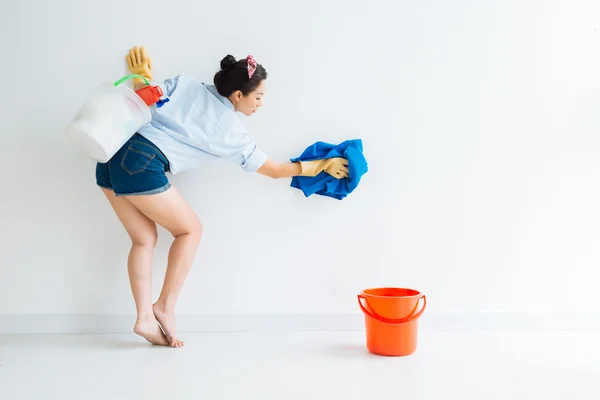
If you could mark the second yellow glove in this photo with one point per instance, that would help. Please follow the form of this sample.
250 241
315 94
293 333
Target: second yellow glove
139 63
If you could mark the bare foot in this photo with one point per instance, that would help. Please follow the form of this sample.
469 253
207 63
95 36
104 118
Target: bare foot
167 322
148 328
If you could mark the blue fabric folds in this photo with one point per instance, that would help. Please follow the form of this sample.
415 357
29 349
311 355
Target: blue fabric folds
325 184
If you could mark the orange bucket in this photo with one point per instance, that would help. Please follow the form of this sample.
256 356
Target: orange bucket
391 319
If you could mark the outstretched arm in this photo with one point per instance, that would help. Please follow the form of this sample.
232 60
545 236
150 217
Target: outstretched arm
275 170
336 167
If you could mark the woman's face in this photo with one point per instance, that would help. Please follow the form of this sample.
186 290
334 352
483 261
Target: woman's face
248 105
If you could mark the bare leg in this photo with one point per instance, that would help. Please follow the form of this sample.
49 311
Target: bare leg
143 234
170 210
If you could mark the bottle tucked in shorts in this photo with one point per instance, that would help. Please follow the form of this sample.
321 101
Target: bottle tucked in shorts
138 168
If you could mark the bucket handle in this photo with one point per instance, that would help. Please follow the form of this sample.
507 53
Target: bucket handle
117 83
412 316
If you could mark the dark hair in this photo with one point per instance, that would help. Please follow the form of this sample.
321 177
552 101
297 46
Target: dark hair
234 76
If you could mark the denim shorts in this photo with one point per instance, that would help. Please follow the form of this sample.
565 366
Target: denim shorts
138 168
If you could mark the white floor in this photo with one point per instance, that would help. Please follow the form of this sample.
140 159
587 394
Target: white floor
461 365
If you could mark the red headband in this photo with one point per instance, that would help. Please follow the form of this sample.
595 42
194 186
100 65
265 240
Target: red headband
251 66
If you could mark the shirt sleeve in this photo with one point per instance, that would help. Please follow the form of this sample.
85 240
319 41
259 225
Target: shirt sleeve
169 84
242 150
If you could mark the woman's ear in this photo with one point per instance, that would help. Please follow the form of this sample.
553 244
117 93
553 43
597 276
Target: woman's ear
238 95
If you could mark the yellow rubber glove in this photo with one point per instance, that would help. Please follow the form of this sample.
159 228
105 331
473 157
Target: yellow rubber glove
139 63
336 167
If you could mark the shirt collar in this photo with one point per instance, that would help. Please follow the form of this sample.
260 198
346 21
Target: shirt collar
223 99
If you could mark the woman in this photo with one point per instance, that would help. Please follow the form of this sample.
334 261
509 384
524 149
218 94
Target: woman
198 123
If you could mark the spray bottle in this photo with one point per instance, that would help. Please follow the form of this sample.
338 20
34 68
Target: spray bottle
151 95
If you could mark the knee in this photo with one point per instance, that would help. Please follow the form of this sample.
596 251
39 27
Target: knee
192 229
196 230
146 239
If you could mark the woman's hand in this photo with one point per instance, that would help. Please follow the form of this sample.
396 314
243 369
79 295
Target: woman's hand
336 167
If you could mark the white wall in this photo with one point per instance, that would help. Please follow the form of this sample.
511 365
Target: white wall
480 123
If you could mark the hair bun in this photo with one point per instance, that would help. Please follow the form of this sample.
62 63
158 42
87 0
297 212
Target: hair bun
228 62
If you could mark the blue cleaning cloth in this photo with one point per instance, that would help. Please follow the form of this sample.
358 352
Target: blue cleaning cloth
325 184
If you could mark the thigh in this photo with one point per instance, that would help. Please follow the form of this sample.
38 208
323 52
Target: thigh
141 229
169 210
